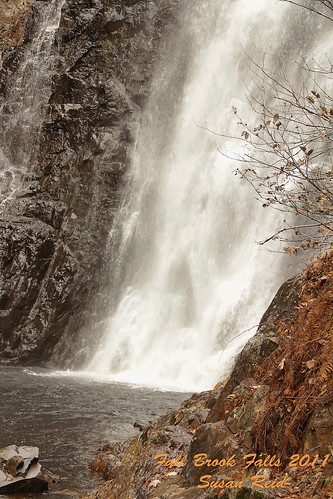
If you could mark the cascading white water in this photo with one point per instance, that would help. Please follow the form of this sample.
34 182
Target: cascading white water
187 273
21 114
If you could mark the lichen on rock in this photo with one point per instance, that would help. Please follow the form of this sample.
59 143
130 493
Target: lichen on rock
13 18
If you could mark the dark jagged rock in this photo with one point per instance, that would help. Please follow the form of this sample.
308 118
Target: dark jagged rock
54 232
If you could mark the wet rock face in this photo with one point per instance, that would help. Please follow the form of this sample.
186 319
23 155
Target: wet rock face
53 234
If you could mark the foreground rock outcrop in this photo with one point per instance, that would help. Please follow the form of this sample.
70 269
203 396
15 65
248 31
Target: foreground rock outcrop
20 471
266 431
54 230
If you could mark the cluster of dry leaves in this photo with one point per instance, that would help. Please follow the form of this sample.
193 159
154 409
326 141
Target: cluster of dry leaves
300 371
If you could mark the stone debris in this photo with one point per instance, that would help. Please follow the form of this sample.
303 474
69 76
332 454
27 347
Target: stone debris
20 470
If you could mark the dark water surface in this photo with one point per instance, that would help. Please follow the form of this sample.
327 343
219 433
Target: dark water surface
69 418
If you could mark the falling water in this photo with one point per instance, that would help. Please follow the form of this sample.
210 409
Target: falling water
188 275
22 111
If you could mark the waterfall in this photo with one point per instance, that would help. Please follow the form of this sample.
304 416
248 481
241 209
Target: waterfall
187 274
28 93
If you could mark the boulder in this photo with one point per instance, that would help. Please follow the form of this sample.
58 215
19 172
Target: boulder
20 471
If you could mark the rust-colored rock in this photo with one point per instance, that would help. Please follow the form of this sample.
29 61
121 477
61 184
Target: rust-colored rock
13 19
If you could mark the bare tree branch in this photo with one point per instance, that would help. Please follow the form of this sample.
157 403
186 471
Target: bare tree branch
326 5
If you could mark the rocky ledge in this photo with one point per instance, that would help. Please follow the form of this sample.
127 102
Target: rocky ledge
266 431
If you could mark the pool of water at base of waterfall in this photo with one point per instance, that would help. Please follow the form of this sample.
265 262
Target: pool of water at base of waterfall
70 417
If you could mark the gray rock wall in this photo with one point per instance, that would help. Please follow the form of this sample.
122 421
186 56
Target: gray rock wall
54 234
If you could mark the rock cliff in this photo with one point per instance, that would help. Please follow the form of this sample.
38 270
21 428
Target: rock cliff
266 431
54 230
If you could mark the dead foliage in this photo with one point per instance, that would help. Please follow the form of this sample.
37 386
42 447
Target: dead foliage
300 371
